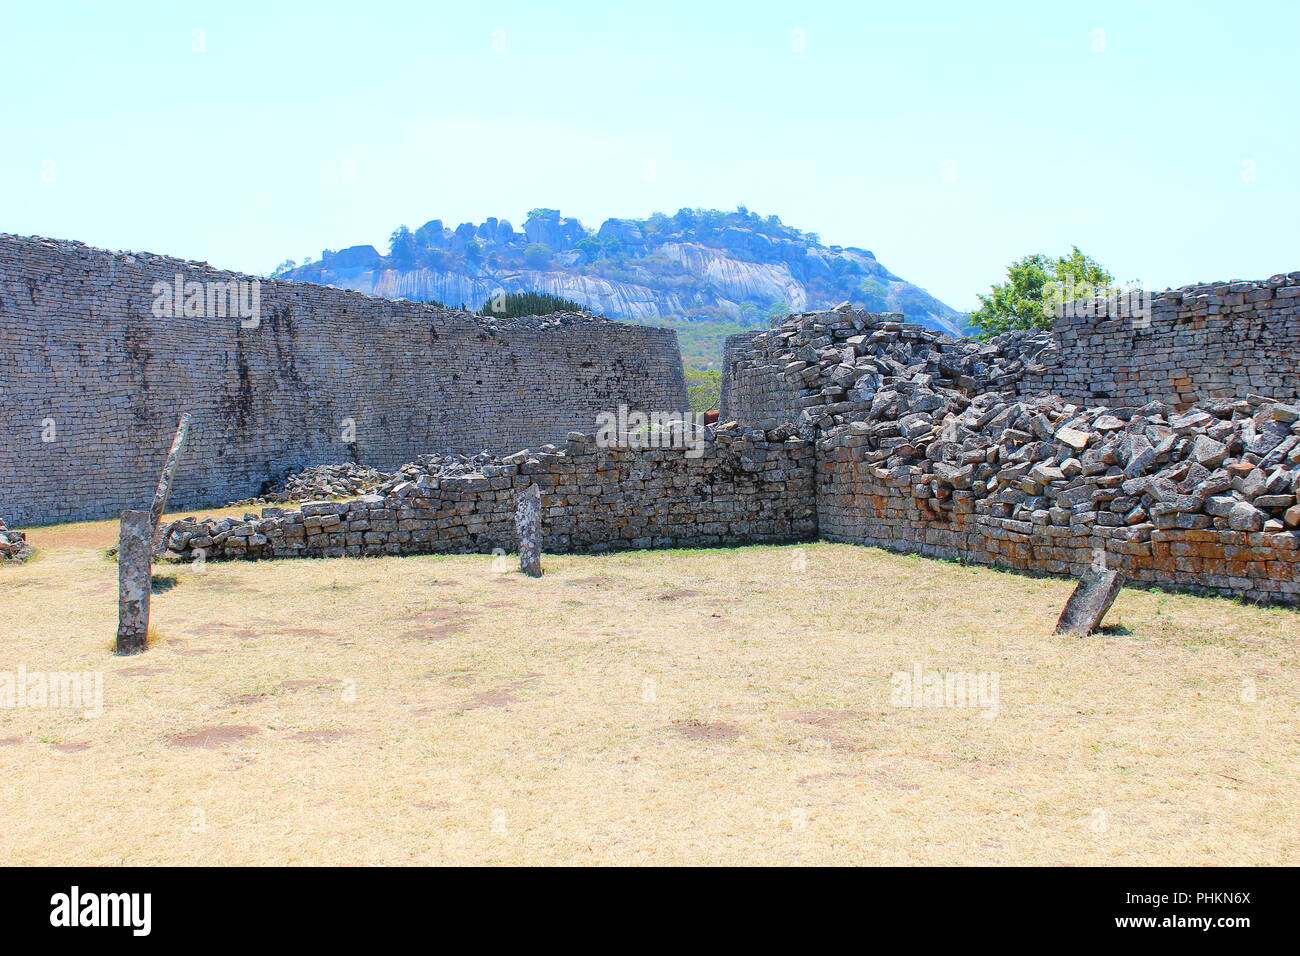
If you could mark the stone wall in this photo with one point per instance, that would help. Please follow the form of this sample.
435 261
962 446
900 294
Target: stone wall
1197 343
755 388
739 489
862 503
94 382
930 444
741 378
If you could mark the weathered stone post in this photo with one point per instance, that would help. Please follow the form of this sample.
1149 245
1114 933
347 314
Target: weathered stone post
134 574
165 479
1090 601
528 523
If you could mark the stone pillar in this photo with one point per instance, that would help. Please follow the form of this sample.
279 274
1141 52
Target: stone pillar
134 573
1092 598
165 479
528 524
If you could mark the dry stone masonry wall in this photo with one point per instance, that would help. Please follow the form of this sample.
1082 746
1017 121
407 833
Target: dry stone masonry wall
1166 444
95 382
1201 342
930 444
734 488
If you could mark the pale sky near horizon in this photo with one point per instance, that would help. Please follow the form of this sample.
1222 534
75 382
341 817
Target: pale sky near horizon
948 138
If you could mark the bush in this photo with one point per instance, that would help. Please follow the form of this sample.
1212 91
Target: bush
704 389
515 304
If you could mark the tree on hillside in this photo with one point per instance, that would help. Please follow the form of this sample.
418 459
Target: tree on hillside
1034 285
401 246
537 255
512 305
777 312
590 247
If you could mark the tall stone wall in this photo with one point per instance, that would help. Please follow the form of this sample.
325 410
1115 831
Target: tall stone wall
734 488
742 378
94 382
1195 344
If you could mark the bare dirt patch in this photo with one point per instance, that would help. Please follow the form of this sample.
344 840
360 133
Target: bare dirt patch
73 747
213 737
678 594
704 730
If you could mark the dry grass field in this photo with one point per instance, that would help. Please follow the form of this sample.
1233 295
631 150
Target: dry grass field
707 707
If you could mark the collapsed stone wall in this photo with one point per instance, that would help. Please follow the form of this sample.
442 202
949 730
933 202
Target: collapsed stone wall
862 503
13 544
94 382
1197 343
926 443
740 488
807 371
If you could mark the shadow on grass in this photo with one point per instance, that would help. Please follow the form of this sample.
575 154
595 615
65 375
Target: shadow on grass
162 583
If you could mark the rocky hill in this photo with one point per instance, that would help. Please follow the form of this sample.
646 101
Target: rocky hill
704 272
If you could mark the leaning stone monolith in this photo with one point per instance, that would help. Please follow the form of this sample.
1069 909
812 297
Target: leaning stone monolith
1090 601
165 479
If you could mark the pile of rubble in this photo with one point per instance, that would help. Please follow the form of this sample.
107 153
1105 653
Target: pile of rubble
841 360
346 480
13 544
439 466
945 413
1230 465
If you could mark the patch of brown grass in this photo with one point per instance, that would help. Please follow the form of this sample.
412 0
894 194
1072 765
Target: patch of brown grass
429 710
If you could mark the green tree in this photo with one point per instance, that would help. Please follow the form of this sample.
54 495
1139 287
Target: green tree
1035 284
401 246
777 312
590 247
537 255
704 389
515 304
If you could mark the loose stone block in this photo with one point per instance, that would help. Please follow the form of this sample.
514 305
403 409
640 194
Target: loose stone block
1090 601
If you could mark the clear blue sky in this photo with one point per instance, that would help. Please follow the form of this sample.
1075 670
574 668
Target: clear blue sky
949 138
